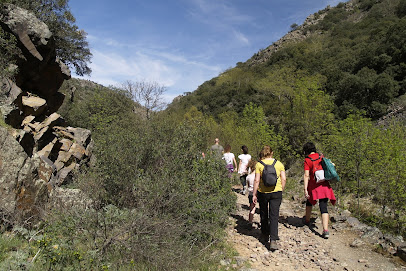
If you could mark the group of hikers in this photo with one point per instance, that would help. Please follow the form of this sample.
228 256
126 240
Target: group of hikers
268 197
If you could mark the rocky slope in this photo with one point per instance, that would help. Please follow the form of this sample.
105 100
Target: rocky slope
297 34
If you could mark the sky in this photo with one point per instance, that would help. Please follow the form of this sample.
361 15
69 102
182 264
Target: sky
180 44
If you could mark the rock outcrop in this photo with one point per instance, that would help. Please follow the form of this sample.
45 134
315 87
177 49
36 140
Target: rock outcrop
298 34
38 151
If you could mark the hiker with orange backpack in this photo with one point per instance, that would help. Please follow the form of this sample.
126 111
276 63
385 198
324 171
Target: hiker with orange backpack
316 187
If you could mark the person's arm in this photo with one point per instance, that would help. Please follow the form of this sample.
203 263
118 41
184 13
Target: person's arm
235 162
306 178
283 179
256 185
239 167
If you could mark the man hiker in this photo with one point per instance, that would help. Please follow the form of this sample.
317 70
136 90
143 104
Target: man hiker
217 149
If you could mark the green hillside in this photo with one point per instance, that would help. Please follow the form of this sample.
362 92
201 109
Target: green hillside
354 53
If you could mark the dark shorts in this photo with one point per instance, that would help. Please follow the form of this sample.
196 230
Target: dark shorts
250 199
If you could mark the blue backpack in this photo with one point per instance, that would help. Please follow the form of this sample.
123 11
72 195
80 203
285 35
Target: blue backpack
327 172
330 172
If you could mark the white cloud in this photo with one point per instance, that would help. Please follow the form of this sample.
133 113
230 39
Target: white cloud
176 72
218 15
240 37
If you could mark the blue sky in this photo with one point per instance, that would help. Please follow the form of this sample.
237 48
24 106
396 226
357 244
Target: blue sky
181 43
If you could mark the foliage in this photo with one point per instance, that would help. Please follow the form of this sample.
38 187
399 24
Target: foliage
358 60
71 45
152 174
371 162
157 200
8 48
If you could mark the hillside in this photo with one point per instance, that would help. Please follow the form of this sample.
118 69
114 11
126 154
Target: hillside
354 48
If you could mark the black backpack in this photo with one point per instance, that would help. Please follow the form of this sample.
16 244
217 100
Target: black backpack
269 176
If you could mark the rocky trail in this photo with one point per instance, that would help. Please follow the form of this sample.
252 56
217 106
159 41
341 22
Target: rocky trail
302 247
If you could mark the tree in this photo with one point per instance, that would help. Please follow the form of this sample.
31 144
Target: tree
147 94
294 26
71 44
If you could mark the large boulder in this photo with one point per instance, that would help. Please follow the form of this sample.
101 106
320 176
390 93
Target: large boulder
38 151
23 193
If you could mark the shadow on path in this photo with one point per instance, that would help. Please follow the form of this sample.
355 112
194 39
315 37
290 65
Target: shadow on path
298 222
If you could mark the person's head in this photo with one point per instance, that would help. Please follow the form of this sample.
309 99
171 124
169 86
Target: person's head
244 149
266 152
308 148
216 141
251 165
227 148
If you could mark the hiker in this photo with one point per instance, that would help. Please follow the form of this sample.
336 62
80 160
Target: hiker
269 197
243 167
217 149
313 191
250 184
229 157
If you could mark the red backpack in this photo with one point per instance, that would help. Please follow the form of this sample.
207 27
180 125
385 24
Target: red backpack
318 171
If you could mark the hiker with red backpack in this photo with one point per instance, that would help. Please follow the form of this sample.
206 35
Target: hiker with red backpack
316 188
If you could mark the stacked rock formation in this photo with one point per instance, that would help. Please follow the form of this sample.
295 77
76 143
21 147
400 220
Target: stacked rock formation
38 151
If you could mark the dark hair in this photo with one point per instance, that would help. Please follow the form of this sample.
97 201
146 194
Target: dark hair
244 149
308 148
227 148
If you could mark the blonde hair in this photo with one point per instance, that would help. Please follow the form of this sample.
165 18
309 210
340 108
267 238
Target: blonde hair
266 152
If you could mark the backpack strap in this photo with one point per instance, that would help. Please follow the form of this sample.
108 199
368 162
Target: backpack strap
273 164
320 156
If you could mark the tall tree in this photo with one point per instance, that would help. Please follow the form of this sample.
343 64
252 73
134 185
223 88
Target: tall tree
147 94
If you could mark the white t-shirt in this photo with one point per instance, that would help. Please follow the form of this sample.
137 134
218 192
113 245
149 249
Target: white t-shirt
245 158
228 156
250 182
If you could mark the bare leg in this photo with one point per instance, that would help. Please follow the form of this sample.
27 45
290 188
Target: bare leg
308 212
324 220
252 212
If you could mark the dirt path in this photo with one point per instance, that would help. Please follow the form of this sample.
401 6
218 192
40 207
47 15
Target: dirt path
301 247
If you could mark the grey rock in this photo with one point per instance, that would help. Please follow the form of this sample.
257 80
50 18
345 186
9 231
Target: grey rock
357 243
66 198
80 135
23 194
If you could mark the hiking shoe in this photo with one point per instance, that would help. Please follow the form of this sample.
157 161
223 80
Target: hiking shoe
273 245
264 238
326 234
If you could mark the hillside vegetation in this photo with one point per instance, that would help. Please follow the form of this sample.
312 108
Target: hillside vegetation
331 86
355 54
160 206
